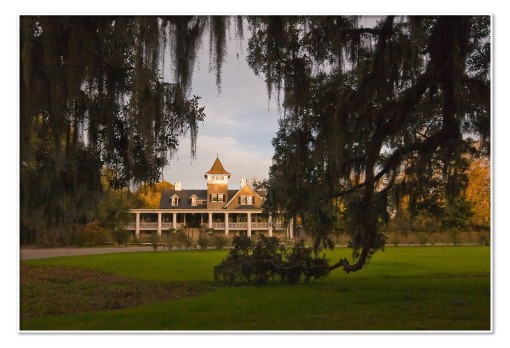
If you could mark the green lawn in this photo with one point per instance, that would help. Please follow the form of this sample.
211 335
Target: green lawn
403 288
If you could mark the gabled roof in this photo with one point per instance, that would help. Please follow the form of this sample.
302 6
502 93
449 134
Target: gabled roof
237 194
217 168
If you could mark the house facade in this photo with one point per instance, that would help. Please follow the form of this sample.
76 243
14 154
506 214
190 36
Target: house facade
218 207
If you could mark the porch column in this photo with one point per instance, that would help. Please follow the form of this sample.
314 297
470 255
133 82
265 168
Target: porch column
210 220
270 226
159 224
137 225
226 224
184 219
249 224
174 220
291 228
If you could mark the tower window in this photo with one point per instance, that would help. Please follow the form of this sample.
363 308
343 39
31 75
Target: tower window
215 197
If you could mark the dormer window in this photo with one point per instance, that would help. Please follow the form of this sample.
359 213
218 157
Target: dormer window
194 200
175 201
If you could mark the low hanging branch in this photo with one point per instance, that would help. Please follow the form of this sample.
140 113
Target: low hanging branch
257 261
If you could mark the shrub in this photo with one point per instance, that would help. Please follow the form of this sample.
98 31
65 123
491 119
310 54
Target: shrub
90 235
154 240
203 241
454 236
422 238
183 239
219 242
121 236
258 261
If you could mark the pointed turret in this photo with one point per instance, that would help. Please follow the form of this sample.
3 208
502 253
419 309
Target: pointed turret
217 169
217 185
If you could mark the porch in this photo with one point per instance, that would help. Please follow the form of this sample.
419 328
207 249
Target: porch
163 219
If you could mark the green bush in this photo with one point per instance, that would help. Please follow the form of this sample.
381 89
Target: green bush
258 261
121 236
219 242
203 241
183 239
90 235
154 240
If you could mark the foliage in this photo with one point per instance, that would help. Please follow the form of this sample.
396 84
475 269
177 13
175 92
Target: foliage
219 242
203 241
372 114
478 193
121 236
112 210
90 235
94 95
154 240
151 194
183 239
258 261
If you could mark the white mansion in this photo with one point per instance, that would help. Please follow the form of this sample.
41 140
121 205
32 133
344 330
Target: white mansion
232 212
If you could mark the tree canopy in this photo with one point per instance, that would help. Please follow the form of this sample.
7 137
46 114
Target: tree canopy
371 112
93 94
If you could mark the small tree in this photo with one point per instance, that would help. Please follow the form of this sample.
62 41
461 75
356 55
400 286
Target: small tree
171 238
120 236
183 238
219 242
203 241
154 240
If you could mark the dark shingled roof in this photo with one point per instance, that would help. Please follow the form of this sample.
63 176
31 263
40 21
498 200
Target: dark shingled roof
184 201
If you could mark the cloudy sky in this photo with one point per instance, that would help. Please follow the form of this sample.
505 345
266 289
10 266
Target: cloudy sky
240 121
239 124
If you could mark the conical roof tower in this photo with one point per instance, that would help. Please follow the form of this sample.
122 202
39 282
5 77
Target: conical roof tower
217 169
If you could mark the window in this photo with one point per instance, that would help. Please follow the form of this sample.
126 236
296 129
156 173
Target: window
217 197
175 201
193 201
245 200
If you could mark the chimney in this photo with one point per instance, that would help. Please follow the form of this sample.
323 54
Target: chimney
178 186
243 181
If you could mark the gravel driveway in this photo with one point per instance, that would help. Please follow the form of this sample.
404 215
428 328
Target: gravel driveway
43 253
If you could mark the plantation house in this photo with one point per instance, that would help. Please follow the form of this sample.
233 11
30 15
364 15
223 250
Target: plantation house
218 208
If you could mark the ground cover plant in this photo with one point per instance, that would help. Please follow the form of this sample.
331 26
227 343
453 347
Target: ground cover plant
409 288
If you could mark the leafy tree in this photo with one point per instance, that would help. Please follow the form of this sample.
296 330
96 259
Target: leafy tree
478 193
154 240
151 194
370 113
92 95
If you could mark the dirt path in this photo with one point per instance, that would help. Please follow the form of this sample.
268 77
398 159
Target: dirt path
43 253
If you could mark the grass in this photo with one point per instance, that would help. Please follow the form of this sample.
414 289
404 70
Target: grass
404 288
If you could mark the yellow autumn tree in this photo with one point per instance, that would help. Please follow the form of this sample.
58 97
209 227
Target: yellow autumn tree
478 193
151 194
